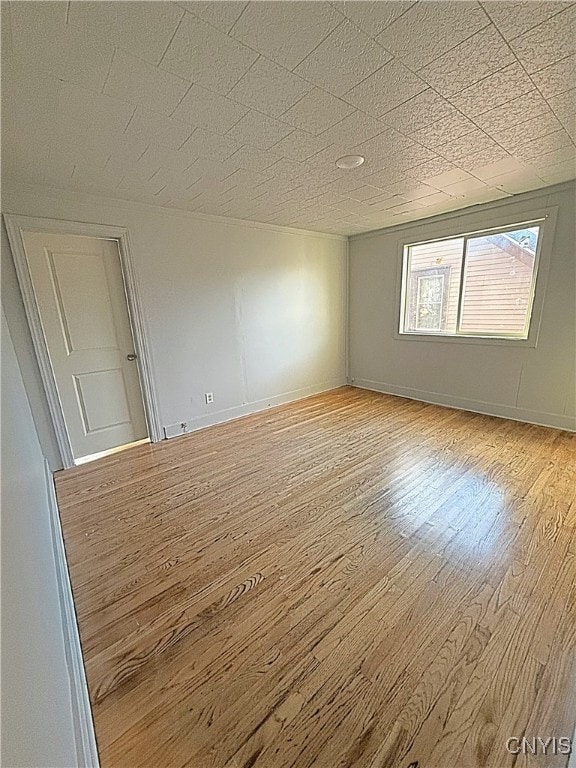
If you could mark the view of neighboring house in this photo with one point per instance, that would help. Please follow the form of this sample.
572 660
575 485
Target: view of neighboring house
497 285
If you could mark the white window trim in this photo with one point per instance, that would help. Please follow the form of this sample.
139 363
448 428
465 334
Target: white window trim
473 225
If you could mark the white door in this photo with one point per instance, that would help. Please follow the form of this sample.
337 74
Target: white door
82 305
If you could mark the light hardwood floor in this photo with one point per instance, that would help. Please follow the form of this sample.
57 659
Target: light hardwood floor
351 580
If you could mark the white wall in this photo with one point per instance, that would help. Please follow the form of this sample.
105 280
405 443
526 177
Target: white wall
531 384
20 332
254 314
37 724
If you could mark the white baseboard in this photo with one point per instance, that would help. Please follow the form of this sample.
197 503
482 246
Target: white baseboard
218 417
86 749
558 421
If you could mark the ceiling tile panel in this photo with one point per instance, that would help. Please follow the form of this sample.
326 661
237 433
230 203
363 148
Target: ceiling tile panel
171 161
556 174
143 29
286 31
345 58
345 184
390 86
477 57
409 207
317 112
434 199
503 86
428 30
517 17
564 107
557 78
42 39
125 151
385 144
516 182
222 14
544 144
482 157
438 171
139 83
515 136
90 179
426 108
565 155
412 156
38 106
324 166
35 17
547 43
78 142
461 188
102 114
211 146
444 131
445 179
252 158
469 144
269 88
486 194
355 128
528 106
412 189
207 56
385 178
365 193
287 169
206 109
501 167
300 145
259 131
149 126
373 17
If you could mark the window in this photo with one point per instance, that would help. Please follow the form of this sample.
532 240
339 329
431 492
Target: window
481 284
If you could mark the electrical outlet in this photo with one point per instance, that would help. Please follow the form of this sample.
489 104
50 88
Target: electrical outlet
209 397
183 426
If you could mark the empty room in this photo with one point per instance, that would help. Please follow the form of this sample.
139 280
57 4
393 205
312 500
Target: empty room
288 384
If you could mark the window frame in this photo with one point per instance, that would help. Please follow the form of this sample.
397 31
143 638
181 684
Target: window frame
469 227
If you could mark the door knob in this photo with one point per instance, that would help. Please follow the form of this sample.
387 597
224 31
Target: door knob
130 357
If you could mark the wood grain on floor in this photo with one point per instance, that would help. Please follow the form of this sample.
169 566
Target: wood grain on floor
354 579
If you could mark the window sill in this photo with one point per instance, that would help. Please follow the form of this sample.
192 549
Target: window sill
497 341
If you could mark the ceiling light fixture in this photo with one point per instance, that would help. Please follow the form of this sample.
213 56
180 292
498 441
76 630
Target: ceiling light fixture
350 161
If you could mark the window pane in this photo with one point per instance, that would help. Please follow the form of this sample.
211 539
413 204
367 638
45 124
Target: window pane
498 275
433 284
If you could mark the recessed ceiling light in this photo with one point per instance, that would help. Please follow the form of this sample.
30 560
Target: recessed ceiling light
350 161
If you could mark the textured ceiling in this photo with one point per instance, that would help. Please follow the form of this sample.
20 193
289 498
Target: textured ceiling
241 109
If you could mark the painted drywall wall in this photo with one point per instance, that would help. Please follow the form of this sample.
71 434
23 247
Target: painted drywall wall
531 384
37 724
256 315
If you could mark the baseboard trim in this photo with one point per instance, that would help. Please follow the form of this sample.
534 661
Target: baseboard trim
228 414
86 747
557 421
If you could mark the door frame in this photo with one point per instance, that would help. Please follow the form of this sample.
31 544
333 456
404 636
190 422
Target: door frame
15 226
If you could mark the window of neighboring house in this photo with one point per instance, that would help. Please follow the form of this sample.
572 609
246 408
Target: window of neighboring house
480 284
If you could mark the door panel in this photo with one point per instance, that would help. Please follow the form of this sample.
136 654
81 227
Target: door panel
82 305
102 400
81 290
